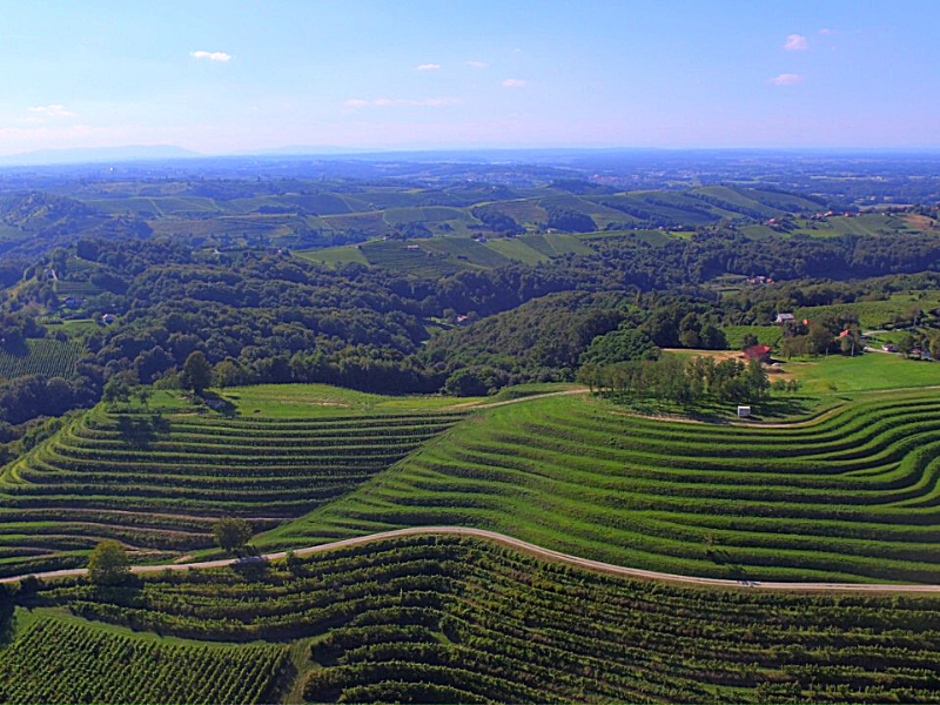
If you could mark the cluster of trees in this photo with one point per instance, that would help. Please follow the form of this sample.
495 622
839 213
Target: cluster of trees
269 317
673 379
16 328
25 398
825 334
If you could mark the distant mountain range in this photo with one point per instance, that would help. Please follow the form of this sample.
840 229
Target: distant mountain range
88 155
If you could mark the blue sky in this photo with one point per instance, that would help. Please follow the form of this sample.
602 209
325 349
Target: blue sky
221 77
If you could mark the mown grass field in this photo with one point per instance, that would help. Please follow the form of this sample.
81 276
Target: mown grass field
156 478
851 495
864 373
441 619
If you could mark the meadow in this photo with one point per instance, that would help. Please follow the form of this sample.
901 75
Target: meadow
837 375
443 619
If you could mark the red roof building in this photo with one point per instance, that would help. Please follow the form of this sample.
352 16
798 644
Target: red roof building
757 352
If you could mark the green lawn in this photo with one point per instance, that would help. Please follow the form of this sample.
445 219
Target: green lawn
314 400
868 372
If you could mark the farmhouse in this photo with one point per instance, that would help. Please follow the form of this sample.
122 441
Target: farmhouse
760 353
107 318
783 318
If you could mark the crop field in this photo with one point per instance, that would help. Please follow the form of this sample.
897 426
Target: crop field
899 307
58 661
864 225
156 480
439 256
43 356
766 335
848 496
442 619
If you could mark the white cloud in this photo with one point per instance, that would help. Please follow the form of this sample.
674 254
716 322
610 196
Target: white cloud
796 42
403 102
478 64
427 67
825 30
211 55
52 110
513 83
787 79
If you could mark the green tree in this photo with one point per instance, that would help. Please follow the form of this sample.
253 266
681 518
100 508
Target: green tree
232 534
905 344
116 389
197 374
228 373
748 340
108 564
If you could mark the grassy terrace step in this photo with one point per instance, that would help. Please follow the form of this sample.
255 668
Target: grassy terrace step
156 480
422 619
853 495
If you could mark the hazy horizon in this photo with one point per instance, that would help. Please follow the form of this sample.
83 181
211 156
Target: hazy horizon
224 78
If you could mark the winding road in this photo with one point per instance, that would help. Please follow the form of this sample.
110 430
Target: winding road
525 547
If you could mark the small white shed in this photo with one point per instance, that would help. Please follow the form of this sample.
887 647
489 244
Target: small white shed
744 412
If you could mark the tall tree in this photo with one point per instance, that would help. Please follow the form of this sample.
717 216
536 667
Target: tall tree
109 564
197 373
232 534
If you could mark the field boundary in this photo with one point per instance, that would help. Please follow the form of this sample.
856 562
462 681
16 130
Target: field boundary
525 547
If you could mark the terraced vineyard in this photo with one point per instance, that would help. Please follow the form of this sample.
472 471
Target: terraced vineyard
852 496
60 662
156 482
429 619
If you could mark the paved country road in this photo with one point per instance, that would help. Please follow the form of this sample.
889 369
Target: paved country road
528 548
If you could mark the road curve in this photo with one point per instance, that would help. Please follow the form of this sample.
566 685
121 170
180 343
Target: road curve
532 549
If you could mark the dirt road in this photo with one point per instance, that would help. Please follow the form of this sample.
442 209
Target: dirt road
532 549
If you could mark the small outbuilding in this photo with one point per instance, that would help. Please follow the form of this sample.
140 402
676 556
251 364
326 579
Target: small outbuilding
744 412
761 353
783 318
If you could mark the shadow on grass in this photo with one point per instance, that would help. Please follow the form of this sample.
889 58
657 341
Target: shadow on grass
219 404
141 431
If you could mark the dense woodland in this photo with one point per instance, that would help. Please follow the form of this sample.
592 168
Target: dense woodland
228 284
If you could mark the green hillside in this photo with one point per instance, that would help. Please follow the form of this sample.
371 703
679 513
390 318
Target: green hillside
849 496
156 480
